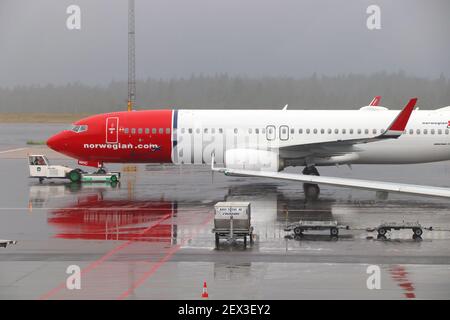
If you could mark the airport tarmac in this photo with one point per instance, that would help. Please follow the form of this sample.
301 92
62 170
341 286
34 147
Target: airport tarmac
149 237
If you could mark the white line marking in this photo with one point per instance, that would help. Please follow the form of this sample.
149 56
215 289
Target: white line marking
12 150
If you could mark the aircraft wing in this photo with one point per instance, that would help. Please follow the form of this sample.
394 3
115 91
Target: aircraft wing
394 131
342 182
339 147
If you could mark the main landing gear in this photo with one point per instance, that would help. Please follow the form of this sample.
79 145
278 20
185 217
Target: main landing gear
311 190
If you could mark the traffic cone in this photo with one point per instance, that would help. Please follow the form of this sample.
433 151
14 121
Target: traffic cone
205 290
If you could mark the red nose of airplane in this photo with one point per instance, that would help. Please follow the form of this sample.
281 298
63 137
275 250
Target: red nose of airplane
56 142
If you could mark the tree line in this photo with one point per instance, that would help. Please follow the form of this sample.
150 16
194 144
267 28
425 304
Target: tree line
223 91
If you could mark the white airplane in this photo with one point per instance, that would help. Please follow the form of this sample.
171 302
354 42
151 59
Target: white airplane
261 143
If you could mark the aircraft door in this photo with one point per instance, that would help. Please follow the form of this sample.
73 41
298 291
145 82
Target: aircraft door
112 130
284 133
270 133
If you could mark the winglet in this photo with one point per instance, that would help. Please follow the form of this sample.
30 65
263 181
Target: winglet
375 101
397 127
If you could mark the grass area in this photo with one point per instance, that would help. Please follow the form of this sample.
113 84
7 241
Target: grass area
35 143
40 117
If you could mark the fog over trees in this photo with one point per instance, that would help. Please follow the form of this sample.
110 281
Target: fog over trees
349 91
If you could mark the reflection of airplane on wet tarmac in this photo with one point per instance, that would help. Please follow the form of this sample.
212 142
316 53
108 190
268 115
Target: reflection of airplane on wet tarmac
93 217
260 143
268 198
94 212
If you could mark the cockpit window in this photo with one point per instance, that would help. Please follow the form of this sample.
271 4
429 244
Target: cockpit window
79 128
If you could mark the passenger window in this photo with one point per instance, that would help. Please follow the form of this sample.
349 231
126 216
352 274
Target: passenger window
205 130
133 130
161 131
235 130
374 131
432 131
411 131
336 131
440 131
308 131
213 130
351 131
182 130
315 130
220 130
322 131
359 131
344 131
292 131
197 130
140 130
153 130
366 131
190 130
257 131
300 131
263 130
418 131
330 131
425 131
447 131
167 130
126 131
147 130
249 130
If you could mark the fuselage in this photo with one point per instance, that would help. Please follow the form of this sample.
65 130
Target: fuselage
192 136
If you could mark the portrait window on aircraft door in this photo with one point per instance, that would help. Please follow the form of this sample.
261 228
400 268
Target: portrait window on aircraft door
284 133
112 131
270 133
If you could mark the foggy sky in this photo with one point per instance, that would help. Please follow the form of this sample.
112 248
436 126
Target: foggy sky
178 38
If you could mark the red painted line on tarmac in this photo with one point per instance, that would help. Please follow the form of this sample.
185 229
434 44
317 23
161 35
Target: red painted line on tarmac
103 258
150 272
400 275
158 264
